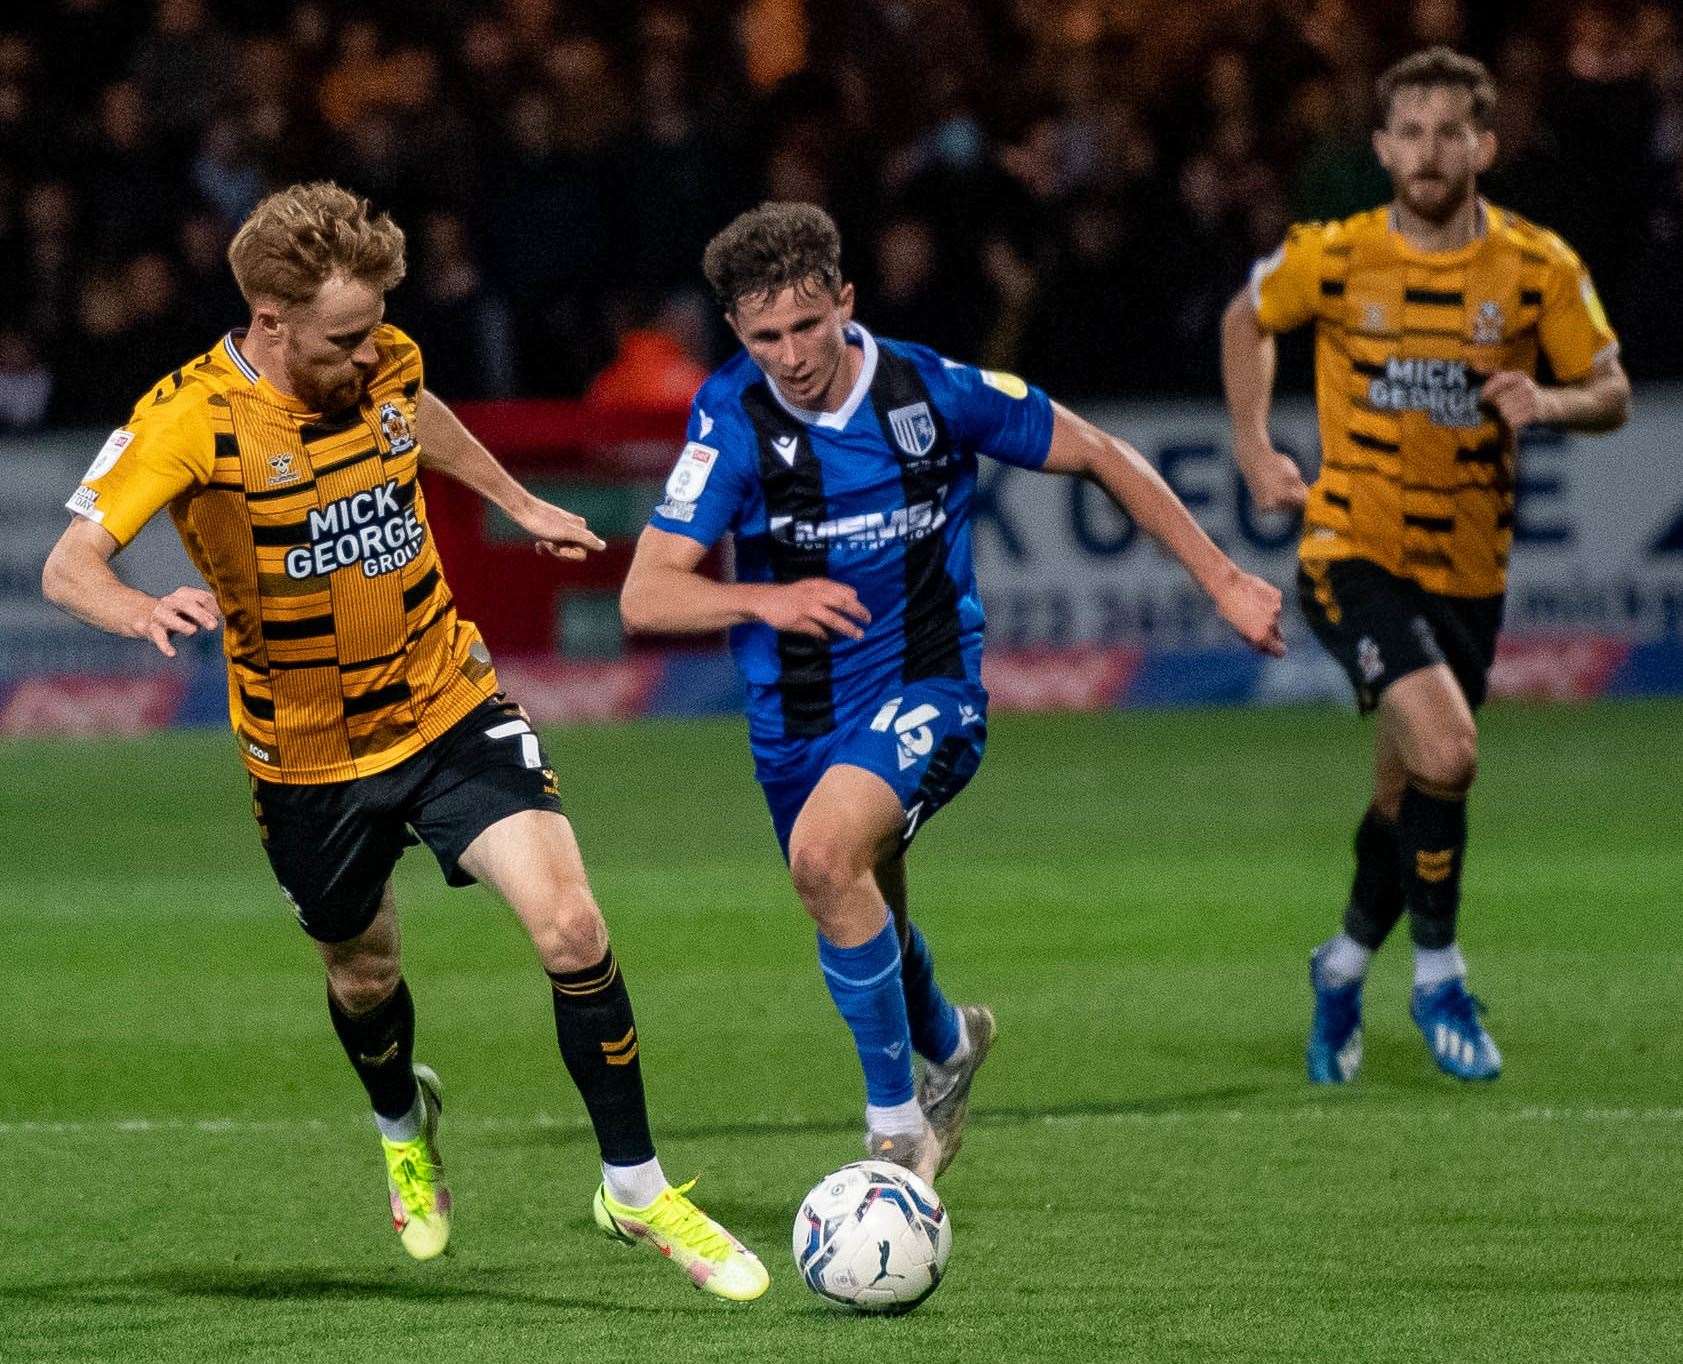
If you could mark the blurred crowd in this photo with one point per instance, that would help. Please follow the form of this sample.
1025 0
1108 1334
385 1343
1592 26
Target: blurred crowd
1068 188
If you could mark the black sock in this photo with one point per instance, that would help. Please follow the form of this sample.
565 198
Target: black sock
381 1046
1376 893
1434 839
598 1038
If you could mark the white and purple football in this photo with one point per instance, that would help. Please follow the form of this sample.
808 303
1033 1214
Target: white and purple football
872 1237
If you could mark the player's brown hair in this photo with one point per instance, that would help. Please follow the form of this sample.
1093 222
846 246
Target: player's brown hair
771 247
1439 66
299 237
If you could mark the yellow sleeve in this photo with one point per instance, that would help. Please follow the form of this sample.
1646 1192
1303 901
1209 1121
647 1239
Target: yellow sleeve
164 450
1285 287
398 349
1573 327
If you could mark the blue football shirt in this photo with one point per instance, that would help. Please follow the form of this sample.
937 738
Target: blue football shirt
876 494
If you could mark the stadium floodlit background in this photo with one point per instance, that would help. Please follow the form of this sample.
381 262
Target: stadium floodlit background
1069 189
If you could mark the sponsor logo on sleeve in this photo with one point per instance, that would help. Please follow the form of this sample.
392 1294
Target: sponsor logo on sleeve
1008 384
1592 301
690 474
1262 270
82 503
109 454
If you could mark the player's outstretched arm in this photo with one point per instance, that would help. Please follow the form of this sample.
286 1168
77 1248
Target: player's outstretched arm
78 578
665 594
1247 377
1598 402
1250 605
450 448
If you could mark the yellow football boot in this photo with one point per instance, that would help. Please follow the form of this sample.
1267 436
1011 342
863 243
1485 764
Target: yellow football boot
415 1178
716 1261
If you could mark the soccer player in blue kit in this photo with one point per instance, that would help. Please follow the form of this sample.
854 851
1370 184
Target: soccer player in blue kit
845 467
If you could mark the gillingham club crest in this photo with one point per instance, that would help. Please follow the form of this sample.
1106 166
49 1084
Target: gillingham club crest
395 427
913 428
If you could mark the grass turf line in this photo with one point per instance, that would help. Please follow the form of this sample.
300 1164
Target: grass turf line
1148 1177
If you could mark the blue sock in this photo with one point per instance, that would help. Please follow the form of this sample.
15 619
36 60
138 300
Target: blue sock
864 981
934 1021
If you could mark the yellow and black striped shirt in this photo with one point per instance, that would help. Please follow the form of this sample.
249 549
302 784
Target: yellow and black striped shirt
345 653
1415 475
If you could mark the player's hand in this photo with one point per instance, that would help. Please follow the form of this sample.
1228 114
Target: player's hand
818 607
557 531
186 611
1275 481
1518 399
1252 607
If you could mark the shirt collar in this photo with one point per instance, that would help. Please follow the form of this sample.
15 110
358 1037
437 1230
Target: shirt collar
230 343
1481 227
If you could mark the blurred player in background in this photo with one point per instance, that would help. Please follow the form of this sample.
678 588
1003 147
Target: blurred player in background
288 456
845 467
1429 314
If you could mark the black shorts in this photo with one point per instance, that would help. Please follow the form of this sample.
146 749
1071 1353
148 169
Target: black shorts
333 846
1381 627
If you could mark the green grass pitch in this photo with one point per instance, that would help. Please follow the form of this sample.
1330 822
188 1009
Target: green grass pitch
189 1172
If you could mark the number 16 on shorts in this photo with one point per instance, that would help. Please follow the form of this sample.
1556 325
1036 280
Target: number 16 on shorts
911 728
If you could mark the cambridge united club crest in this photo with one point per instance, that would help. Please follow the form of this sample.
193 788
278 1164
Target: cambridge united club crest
1487 326
395 427
913 428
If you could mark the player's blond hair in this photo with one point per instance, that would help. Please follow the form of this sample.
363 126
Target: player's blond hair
1439 65
298 238
770 248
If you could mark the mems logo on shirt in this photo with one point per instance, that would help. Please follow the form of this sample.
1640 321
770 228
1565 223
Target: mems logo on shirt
370 528
871 530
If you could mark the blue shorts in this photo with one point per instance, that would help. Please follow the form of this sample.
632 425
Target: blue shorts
925 739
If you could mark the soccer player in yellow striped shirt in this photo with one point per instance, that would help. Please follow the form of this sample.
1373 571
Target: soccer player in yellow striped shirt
363 705
1430 314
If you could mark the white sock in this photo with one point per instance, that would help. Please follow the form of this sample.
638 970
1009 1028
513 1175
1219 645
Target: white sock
1434 965
407 1127
895 1119
963 1048
1345 961
636 1186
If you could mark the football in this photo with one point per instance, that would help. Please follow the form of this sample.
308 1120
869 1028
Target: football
872 1237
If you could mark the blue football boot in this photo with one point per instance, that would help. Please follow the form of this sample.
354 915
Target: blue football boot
1448 1018
1335 1031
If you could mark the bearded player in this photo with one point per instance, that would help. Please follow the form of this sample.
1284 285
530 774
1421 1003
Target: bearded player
1430 315
363 705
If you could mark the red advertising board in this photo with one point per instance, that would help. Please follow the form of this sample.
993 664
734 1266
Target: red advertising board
607 464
